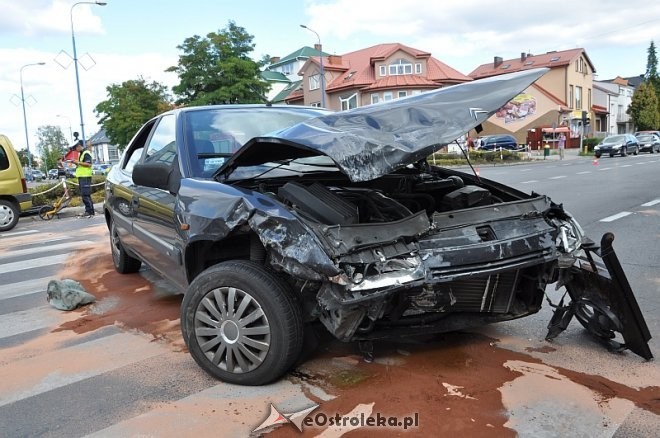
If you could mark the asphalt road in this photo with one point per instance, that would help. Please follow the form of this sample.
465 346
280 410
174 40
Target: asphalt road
83 373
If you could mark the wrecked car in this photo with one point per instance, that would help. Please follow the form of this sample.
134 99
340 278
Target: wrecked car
271 218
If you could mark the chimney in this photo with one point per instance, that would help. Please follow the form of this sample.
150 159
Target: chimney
274 59
523 56
334 59
497 61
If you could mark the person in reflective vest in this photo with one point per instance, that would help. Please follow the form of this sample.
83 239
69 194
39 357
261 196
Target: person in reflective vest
84 175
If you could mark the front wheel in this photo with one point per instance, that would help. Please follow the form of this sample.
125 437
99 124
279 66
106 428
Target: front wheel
124 263
241 323
47 212
636 151
9 213
624 152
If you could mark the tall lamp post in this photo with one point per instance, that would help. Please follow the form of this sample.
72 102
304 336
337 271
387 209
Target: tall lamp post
75 64
27 140
321 59
69 120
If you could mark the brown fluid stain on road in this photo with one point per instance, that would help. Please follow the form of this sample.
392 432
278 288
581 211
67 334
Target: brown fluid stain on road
453 382
130 301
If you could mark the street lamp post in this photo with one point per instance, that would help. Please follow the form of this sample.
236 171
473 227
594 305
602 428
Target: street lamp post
321 59
27 139
69 120
75 64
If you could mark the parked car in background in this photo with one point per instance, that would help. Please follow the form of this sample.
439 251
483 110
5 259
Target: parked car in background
272 218
38 175
100 169
70 172
618 144
14 195
52 173
497 142
647 132
648 142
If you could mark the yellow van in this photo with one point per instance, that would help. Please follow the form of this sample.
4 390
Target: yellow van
14 196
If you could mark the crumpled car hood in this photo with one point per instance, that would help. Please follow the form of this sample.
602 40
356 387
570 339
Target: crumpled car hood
374 140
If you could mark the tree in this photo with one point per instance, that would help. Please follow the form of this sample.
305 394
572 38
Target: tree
129 106
23 157
644 108
217 69
651 74
52 144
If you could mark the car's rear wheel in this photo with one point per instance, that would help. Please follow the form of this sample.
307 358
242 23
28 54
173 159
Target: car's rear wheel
9 213
124 263
636 151
241 323
624 152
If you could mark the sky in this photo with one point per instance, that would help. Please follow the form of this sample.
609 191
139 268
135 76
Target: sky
132 39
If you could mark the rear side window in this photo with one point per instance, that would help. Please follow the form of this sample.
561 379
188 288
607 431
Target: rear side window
4 159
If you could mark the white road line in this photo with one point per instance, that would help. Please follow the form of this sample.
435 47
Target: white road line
525 170
529 182
35 263
584 173
605 168
640 163
558 177
651 203
25 321
616 216
55 369
17 233
627 165
43 248
12 290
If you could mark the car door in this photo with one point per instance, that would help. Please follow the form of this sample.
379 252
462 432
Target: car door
158 243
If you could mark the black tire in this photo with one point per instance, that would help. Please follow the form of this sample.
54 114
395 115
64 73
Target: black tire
44 212
124 263
636 151
217 339
597 155
624 151
9 214
611 154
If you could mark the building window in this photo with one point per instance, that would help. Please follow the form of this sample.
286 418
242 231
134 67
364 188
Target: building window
316 104
287 69
387 95
400 67
374 98
578 98
570 97
383 70
349 102
418 68
314 82
402 94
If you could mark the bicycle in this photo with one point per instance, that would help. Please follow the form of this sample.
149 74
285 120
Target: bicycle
48 211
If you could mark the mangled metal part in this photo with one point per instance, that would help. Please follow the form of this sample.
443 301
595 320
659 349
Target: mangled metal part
602 301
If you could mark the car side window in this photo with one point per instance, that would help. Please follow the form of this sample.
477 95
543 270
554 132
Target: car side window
161 147
4 160
131 161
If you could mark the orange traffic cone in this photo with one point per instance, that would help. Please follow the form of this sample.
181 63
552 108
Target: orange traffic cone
477 172
595 163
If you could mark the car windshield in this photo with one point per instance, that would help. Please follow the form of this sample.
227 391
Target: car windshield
614 139
216 134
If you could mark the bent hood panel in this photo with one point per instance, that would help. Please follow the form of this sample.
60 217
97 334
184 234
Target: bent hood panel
374 140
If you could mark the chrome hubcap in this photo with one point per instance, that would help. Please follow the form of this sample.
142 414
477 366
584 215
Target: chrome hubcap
232 330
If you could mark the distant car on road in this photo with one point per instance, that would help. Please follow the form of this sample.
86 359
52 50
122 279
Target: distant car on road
52 173
38 175
648 143
100 169
495 142
620 144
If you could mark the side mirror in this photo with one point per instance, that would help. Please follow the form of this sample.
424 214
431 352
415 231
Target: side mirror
157 175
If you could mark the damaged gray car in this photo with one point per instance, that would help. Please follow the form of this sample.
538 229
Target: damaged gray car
272 218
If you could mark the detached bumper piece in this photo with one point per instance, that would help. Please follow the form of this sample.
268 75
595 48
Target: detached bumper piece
602 301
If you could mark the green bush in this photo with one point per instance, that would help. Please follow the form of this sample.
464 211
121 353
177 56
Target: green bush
53 195
476 157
